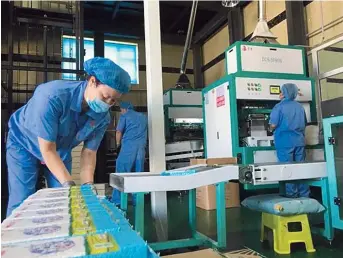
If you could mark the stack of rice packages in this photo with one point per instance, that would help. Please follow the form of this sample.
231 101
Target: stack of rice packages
70 222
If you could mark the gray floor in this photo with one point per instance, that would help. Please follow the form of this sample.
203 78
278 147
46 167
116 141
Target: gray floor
243 229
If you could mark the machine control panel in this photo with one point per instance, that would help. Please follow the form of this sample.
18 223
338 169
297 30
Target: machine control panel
269 89
254 86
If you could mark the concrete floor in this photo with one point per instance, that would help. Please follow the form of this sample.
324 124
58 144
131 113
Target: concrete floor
243 229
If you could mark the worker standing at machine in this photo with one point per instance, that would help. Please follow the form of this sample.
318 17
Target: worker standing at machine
131 138
288 119
59 116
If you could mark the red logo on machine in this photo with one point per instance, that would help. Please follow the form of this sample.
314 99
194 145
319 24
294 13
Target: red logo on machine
220 96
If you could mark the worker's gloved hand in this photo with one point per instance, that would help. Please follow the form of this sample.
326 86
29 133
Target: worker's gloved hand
68 184
271 129
91 184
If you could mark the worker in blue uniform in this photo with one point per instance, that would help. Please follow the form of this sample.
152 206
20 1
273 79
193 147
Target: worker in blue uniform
59 116
288 119
131 136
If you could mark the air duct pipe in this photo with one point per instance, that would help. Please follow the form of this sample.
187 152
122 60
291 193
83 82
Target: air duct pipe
183 81
262 10
262 32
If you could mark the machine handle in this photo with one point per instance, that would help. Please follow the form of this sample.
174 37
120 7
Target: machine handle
218 135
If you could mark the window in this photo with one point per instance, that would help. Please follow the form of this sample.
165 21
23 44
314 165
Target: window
69 51
123 54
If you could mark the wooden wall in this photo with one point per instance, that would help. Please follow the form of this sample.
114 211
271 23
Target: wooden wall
275 10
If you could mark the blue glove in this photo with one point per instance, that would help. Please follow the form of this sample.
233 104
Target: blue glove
68 184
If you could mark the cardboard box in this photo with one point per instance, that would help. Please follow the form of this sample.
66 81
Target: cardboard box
207 253
214 161
208 223
206 195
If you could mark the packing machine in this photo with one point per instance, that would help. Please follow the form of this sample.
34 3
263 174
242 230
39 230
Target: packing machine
326 175
237 107
183 126
236 112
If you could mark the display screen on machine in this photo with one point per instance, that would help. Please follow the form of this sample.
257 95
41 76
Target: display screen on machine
274 89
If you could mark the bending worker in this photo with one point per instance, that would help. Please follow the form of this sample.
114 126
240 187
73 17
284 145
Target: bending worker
288 119
59 116
131 135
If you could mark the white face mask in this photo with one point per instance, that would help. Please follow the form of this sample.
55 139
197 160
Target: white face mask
97 105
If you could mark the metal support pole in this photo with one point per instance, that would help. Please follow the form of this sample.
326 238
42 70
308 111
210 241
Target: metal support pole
328 228
10 62
155 111
81 34
197 65
45 52
76 28
235 24
139 214
99 41
221 215
192 211
123 201
296 23
318 91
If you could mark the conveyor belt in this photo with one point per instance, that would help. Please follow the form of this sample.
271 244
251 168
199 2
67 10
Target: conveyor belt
153 182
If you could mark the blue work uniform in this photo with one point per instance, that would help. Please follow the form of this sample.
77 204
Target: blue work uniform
54 113
134 126
289 136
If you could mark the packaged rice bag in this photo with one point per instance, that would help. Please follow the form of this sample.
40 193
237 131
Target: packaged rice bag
36 221
15 235
49 195
52 248
45 201
57 189
38 213
41 206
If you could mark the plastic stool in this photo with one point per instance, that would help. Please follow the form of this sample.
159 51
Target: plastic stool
282 237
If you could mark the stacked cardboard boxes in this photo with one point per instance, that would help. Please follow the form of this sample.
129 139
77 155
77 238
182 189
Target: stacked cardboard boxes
206 195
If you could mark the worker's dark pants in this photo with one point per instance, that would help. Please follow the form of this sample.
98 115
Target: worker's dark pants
296 154
23 170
